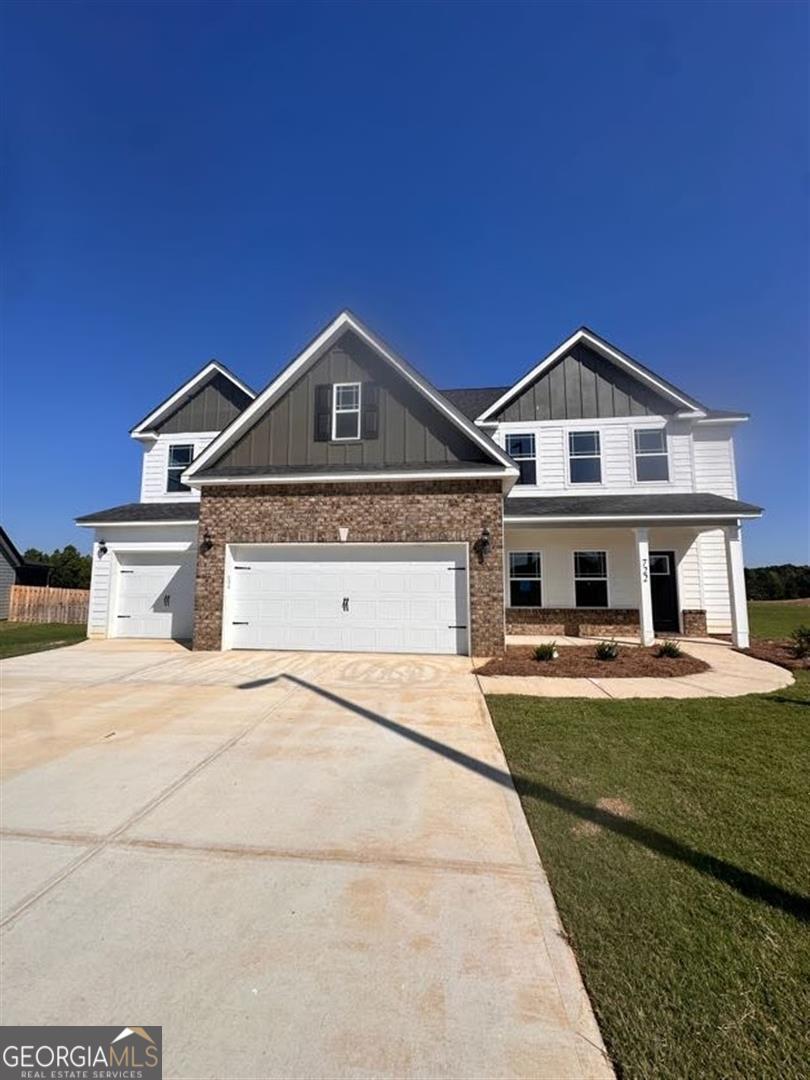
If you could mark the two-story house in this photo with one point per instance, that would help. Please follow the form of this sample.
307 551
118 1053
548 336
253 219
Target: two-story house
353 506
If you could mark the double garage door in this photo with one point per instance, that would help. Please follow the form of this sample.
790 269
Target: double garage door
348 597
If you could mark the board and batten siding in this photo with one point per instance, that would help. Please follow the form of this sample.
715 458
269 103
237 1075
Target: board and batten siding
8 576
154 471
125 538
412 431
210 407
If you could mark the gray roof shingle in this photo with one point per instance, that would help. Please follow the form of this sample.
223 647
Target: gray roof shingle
142 513
628 506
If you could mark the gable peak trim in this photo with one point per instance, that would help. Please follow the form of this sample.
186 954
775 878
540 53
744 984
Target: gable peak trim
345 320
603 348
142 429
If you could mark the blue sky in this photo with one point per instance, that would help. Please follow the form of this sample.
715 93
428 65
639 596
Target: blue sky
184 181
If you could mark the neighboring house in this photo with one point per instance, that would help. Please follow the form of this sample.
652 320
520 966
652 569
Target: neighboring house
352 506
14 570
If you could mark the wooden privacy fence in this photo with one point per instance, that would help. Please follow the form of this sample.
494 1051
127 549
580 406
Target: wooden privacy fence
40 603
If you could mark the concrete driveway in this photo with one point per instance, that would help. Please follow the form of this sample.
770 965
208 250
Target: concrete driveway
300 865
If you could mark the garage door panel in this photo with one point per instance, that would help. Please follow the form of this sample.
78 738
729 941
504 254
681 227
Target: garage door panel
399 598
154 595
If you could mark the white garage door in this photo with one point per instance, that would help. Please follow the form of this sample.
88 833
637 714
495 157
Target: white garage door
347 598
154 596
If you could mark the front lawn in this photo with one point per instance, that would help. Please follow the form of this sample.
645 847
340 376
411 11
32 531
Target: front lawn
675 835
774 621
18 638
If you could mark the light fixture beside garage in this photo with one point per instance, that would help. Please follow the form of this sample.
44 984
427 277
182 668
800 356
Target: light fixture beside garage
102 548
483 545
206 543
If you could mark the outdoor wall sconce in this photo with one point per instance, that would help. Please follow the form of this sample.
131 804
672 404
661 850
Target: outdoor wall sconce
206 543
102 548
483 545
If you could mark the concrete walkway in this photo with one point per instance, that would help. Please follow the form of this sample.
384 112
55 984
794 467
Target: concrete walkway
731 674
300 865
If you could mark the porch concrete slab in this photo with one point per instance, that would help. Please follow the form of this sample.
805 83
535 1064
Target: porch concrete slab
26 865
320 969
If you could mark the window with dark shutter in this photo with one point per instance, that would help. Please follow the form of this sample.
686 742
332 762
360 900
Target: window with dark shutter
323 413
371 411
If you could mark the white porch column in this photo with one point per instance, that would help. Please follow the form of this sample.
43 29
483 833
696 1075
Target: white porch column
645 610
736 586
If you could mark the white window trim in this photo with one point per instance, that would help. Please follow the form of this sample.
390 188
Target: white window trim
174 468
575 579
581 457
344 412
666 453
523 434
524 551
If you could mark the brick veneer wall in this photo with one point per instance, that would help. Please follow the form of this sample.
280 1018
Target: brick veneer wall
410 512
589 622
572 622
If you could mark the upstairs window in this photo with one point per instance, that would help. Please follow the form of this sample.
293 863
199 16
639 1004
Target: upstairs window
525 585
590 579
346 411
584 457
179 460
652 462
521 448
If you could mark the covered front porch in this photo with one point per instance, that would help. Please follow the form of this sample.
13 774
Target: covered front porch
635 577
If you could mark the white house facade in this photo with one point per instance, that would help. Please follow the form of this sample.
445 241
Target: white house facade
352 506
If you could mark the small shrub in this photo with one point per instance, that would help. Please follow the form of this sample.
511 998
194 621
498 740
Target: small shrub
669 648
801 642
546 651
607 650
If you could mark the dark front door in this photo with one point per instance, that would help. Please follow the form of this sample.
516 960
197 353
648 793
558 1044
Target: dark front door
664 586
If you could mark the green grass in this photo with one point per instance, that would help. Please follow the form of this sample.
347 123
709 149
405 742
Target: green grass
18 638
771 620
683 898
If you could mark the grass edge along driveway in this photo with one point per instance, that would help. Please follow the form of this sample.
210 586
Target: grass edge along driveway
675 837
17 638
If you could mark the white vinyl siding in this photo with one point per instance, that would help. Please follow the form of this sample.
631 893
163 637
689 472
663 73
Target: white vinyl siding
713 449
617 452
156 466
700 563
132 538
8 576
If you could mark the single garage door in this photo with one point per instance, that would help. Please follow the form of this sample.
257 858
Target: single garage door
348 597
154 596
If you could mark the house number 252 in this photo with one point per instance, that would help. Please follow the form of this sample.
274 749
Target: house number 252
645 572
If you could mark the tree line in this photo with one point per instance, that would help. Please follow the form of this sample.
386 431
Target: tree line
786 582
69 568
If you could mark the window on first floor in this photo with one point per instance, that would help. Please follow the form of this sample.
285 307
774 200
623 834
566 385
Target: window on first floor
525 585
346 411
584 457
590 579
652 462
179 460
522 449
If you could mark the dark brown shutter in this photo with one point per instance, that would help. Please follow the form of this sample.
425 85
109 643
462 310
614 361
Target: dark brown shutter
323 413
370 411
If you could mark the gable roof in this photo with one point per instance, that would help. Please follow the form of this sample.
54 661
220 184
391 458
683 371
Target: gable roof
13 556
305 359
609 352
144 427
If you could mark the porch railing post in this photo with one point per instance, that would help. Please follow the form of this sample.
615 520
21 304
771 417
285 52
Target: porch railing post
645 610
736 586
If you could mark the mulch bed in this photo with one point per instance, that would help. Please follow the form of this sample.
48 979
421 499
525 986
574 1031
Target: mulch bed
579 661
777 652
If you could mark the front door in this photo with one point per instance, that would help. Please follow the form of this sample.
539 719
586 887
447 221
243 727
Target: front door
664 587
